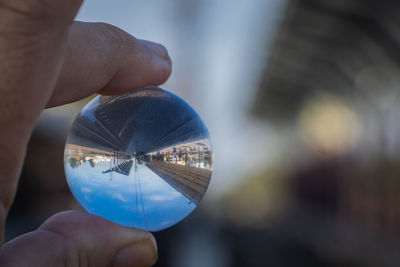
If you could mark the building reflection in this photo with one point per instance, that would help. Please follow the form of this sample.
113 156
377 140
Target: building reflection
196 154
187 167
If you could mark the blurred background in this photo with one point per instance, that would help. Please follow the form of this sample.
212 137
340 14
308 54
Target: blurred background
301 98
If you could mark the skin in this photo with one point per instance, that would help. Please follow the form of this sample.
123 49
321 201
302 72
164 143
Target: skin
47 60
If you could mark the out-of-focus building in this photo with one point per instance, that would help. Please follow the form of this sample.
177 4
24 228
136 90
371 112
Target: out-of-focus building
332 80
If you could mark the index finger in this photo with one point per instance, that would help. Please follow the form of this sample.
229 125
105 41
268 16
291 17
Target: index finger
102 58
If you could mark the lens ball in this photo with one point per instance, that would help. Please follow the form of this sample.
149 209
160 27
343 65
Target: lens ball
142 159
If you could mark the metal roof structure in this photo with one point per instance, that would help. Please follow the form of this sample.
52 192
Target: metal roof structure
146 120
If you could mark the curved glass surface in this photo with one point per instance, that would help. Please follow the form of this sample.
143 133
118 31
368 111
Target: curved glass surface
142 159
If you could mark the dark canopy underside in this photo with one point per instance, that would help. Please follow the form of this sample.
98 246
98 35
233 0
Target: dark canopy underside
147 120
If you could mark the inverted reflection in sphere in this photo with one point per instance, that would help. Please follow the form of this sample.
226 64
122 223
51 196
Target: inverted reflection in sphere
142 159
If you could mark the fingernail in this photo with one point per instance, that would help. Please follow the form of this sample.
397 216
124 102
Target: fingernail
141 254
156 48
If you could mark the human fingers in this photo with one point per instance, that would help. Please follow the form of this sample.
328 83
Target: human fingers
35 37
76 238
102 57
33 42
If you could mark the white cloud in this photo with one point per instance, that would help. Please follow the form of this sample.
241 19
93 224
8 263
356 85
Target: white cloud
165 197
86 190
119 196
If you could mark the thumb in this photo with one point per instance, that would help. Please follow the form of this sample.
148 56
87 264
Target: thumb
75 238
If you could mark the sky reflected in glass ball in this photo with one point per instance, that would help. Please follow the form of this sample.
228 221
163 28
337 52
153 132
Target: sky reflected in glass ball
142 159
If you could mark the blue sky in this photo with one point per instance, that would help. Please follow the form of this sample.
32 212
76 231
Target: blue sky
141 200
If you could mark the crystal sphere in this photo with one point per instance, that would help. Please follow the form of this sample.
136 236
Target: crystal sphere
142 159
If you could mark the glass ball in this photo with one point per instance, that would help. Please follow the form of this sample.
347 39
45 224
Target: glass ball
142 159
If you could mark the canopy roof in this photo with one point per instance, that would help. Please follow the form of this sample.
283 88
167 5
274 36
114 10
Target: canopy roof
144 121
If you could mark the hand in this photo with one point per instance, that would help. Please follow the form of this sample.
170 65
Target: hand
46 59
